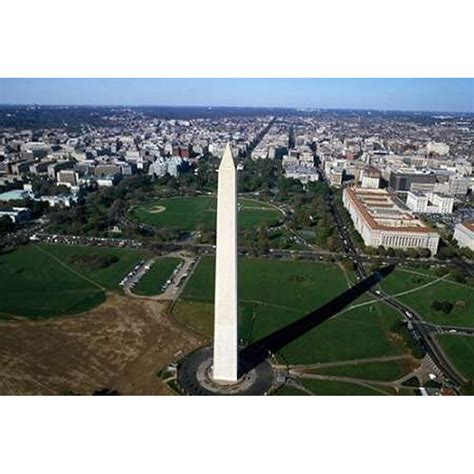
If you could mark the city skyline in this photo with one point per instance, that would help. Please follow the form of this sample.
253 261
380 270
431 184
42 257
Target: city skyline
410 95
352 232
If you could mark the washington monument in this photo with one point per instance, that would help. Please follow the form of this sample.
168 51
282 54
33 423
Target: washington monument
225 365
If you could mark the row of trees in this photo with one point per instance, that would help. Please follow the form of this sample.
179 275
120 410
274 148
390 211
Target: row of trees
311 210
99 211
399 253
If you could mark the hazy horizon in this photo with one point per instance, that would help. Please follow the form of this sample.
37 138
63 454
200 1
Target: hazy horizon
402 95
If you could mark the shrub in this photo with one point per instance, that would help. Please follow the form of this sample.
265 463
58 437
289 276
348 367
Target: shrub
444 306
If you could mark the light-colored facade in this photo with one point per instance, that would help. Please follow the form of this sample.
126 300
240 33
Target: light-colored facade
16 214
429 203
443 204
464 234
336 176
370 181
417 201
225 366
380 221
438 148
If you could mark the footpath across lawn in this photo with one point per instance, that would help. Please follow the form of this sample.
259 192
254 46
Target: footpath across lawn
41 281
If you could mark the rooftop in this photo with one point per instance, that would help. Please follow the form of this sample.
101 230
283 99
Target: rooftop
381 212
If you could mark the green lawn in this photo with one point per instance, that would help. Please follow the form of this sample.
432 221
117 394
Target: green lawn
189 213
287 390
36 285
461 296
383 371
274 293
330 387
460 350
108 277
153 280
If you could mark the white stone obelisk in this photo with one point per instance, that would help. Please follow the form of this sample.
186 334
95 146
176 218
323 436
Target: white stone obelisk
225 364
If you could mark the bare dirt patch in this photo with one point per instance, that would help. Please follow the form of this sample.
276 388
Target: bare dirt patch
119 346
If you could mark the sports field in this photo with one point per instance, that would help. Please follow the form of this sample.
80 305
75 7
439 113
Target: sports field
419 289
274 293
190 213
41 281
153 280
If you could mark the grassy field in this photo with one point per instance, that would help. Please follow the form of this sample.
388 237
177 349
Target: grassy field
461 296
460 350
189 213
330 387
383 371
40 281
287 390
274 293
153 280
108 277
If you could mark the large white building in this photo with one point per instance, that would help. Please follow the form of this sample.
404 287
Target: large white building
163 165
370 178
464 234
429 203
300 166
438 148
381 222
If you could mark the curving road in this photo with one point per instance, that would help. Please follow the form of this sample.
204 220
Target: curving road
421 330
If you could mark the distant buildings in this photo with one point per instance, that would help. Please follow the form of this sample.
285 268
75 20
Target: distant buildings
16 214
172 165
54 168
430 162
437 148
381 222
370 178
429 180
429 203
336 176
464 234
107 181
68 178
299 164
402 180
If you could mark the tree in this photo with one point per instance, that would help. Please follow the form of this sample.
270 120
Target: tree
424 253
445 253
399 253
381 250
444 306
459 274
412 253
6 225
348 264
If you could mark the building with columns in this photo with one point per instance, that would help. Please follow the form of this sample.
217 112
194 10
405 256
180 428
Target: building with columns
381 222
429 203
464 234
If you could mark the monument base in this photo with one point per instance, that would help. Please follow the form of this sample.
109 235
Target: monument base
195 377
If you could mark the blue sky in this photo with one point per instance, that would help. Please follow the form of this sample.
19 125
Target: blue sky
443 95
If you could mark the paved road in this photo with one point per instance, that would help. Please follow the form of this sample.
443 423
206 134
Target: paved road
176 285
209 249
131 281
423 334
321 365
